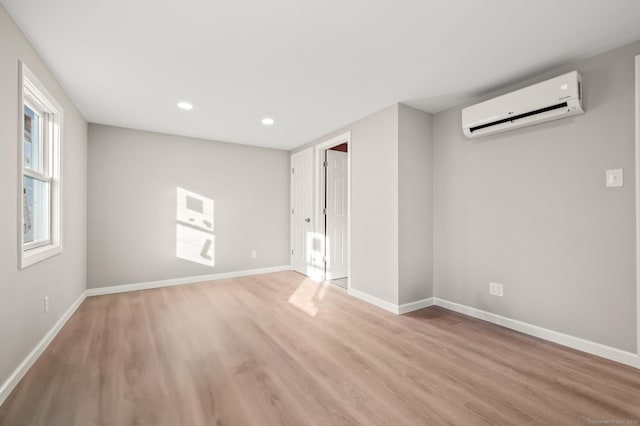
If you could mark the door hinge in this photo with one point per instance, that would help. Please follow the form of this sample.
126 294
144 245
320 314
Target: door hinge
325 164
293 170
291 252
324 259
292 210
324 211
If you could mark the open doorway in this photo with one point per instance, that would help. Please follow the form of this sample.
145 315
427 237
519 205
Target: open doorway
334 209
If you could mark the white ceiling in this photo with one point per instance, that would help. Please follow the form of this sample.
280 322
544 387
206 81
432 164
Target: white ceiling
313 65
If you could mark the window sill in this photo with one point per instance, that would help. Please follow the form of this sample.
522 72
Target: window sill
35 255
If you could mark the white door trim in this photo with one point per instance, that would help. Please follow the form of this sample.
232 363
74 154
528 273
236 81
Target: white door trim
319 178
291 194
637 172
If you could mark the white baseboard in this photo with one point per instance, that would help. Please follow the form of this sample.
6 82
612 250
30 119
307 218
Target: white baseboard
391 307
180 281
387 306
608 352
578 343
33 356
13 380
414 306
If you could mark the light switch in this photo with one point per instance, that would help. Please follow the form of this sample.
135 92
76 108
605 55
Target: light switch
614 178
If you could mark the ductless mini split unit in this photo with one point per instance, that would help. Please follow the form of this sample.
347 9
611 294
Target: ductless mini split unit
553 99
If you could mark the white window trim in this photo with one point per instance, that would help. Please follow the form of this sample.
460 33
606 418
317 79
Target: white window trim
38 251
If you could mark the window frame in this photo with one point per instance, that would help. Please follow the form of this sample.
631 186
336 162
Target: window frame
34 95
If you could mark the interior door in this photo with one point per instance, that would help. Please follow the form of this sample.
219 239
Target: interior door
302 211
336 249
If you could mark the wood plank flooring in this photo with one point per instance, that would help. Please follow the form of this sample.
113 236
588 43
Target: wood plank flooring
278 349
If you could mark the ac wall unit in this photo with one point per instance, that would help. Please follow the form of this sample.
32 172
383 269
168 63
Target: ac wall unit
553 99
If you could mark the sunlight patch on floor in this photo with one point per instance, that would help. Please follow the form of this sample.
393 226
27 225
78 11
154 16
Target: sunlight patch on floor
308 296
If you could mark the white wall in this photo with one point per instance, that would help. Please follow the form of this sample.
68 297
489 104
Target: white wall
529 209
374 205
374 202
415 205
391 204
63 277
133 177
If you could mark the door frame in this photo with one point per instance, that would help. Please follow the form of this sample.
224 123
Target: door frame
291 195
637 179
319 192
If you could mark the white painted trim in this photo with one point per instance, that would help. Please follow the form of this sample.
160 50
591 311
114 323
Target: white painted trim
291 200
638 206
391 307
387 306
578 343
349 154
318 178
415 306
17 375
181 281
28 257
598 349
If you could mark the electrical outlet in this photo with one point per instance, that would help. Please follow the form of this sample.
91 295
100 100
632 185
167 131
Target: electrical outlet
614 178
46 304
496 289
254 254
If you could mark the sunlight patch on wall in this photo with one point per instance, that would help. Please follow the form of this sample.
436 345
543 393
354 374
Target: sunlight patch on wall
195 241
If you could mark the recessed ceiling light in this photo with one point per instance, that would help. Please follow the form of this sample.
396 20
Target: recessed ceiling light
268 121
185 106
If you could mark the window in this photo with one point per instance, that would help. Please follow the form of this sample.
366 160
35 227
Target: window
40 221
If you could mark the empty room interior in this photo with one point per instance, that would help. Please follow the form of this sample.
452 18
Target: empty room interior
286 212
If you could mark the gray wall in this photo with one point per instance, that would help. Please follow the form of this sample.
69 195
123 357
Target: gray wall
133 176
374 202
529 209
391 203
415 204
374 205
63 277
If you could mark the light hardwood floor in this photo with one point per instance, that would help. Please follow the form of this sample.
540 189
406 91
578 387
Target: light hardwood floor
279 349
